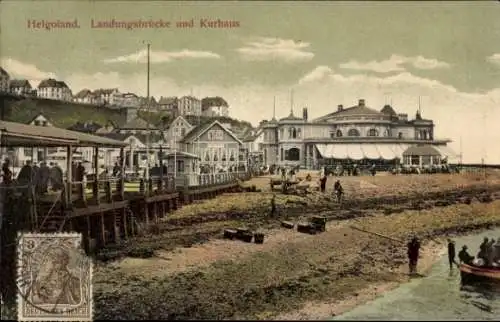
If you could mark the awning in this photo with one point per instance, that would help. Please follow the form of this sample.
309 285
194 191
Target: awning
400 148
361 151
355 152
370 151
447 152
386 152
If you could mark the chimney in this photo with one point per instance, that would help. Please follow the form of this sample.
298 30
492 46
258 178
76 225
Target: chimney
304 113
361 102
340 107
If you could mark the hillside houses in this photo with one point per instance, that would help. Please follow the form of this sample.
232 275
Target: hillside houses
54 89
21 87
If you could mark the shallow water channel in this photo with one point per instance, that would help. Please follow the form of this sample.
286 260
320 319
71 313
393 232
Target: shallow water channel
438 296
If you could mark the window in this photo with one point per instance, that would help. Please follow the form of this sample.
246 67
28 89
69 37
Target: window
372 132
339 133
216 158
415 160
400 135
44 123
215 135
207 156
231 158
281 154
299 133
224 156
183 131
292 154
332 135
37 122
282 133
292 133
353 132
180 165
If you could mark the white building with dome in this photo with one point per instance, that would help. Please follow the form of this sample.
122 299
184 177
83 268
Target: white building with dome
357 134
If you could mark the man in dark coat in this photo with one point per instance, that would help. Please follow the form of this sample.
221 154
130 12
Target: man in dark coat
451 253
56 177
464 256
413 254
322 180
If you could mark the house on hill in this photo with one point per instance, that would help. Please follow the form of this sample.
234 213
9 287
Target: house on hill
138 126
20 87
217 147
168 103
106 96
214 106
127 100
189 105
55 90
85 96
4 80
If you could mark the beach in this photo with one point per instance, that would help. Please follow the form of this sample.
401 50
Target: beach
186 270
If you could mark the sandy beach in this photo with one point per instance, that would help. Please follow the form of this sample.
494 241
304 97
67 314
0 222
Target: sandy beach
292 275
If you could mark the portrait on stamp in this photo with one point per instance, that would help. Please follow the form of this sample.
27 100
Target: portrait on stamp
54 278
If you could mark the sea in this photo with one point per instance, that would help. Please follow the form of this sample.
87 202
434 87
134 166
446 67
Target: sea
437 295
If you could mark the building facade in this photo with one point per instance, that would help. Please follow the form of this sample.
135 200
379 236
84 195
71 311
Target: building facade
106 96
126 100
4 80
356 133
176 131
55 90
189 105
211 111
20 87
217 147
85 96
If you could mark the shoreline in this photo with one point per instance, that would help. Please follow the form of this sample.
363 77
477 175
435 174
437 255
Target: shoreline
431 254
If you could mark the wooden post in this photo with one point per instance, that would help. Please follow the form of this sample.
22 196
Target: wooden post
160 182
69 174
107 191
124 223
122 174
95 186
102 230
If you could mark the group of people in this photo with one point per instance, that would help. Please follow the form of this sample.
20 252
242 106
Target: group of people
488 255
39 175
337 187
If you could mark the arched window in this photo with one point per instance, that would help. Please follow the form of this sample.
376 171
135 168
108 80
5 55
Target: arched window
339 133
299 133
231 158
215 156
372 132
207 156
293 154
223 156
353 132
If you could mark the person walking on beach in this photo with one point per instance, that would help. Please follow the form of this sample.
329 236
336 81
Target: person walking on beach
273 206
413 254
451 253
322 180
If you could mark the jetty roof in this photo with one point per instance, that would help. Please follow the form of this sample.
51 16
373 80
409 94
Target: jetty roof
23 135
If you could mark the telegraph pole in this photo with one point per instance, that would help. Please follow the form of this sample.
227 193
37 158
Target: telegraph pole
148 133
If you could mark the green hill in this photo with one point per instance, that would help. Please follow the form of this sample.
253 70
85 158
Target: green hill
59 113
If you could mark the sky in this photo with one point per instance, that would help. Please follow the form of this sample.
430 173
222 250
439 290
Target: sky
328 53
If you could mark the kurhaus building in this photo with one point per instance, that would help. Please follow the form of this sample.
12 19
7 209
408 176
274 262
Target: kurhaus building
358 133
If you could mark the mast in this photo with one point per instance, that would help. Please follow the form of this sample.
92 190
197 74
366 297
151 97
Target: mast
291 102
148 133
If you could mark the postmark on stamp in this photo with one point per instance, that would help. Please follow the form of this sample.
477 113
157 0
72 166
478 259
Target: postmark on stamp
54 279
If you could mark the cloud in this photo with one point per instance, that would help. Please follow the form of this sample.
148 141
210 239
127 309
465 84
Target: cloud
17 69
495 59
457 115
286 50
395 63
470 116
163 56
316 74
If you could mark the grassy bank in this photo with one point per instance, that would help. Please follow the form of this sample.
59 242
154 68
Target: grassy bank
260 281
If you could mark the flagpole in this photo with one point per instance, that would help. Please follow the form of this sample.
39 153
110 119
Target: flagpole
148 133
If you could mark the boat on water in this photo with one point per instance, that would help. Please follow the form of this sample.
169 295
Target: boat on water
471 274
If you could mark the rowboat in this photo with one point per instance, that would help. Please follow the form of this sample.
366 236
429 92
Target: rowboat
473 274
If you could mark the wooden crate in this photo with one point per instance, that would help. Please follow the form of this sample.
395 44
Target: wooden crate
230 233
287 224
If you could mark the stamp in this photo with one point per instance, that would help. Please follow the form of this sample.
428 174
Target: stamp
54 281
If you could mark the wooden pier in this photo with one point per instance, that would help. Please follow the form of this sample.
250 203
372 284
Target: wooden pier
105 210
